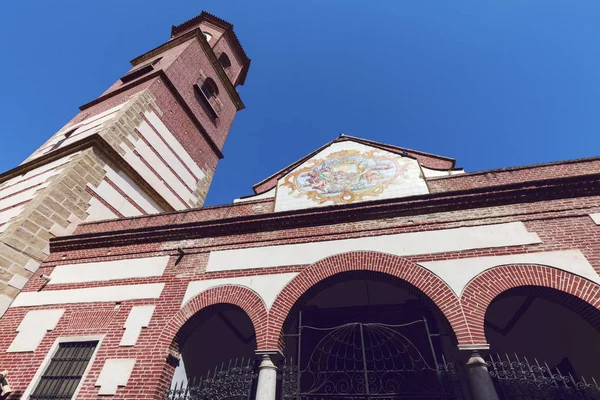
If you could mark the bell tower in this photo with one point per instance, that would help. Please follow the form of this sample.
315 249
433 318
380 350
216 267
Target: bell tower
148 144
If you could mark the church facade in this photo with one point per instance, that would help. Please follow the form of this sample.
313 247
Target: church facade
363 270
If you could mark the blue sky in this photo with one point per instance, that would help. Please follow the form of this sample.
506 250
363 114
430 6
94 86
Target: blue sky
490 83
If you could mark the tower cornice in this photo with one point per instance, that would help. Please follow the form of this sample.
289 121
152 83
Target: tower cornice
162 75
96 141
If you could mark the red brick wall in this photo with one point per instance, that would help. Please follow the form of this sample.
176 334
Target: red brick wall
514 175
185 73
562 224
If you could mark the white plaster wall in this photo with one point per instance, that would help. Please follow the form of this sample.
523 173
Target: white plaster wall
403 244
115 373
266 286
25 184
409 183
595 218
4 303
432 173
7 215
139 317
109 270
179 376
116 199
458 273
20 197
21 189
33 328
269 194
98 211
41 169
89 295
89 126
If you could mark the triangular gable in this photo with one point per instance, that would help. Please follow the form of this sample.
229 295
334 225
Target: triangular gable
430 161
349 171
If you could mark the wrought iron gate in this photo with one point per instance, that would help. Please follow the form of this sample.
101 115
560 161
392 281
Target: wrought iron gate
368 360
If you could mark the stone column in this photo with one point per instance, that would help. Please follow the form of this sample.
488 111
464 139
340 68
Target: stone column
480 381
267 379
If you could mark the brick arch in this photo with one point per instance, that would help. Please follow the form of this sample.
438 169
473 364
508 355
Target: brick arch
182 324
484 288
422 279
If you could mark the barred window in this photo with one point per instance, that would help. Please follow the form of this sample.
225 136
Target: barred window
62 376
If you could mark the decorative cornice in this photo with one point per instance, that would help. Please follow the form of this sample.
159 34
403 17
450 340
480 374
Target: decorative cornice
95 141
518 168
380 209
227 31
162 75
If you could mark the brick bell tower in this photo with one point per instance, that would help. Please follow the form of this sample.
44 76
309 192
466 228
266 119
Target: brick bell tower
149 144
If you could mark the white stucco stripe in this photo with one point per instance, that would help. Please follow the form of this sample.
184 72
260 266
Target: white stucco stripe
89 295
266 195
115 373
139 317
148 154
403 244
33 328
166 153
116 199
109 270
6 215
457 273
4 303
266 286
28 183
132 190
166 134
18 281
21 197
596 218
98 211
151 178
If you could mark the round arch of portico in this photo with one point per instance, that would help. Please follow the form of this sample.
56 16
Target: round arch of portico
422 279
182 324
484 288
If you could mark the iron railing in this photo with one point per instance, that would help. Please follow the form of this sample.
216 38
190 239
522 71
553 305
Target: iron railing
518 378
232 381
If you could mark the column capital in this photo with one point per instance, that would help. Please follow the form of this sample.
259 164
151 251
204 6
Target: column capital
274 355
474 347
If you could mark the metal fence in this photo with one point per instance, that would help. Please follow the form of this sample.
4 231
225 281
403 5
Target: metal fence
518 378
234 380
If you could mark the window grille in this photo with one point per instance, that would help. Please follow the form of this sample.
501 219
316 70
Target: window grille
63 375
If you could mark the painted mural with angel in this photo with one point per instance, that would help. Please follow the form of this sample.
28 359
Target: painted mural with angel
346 176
